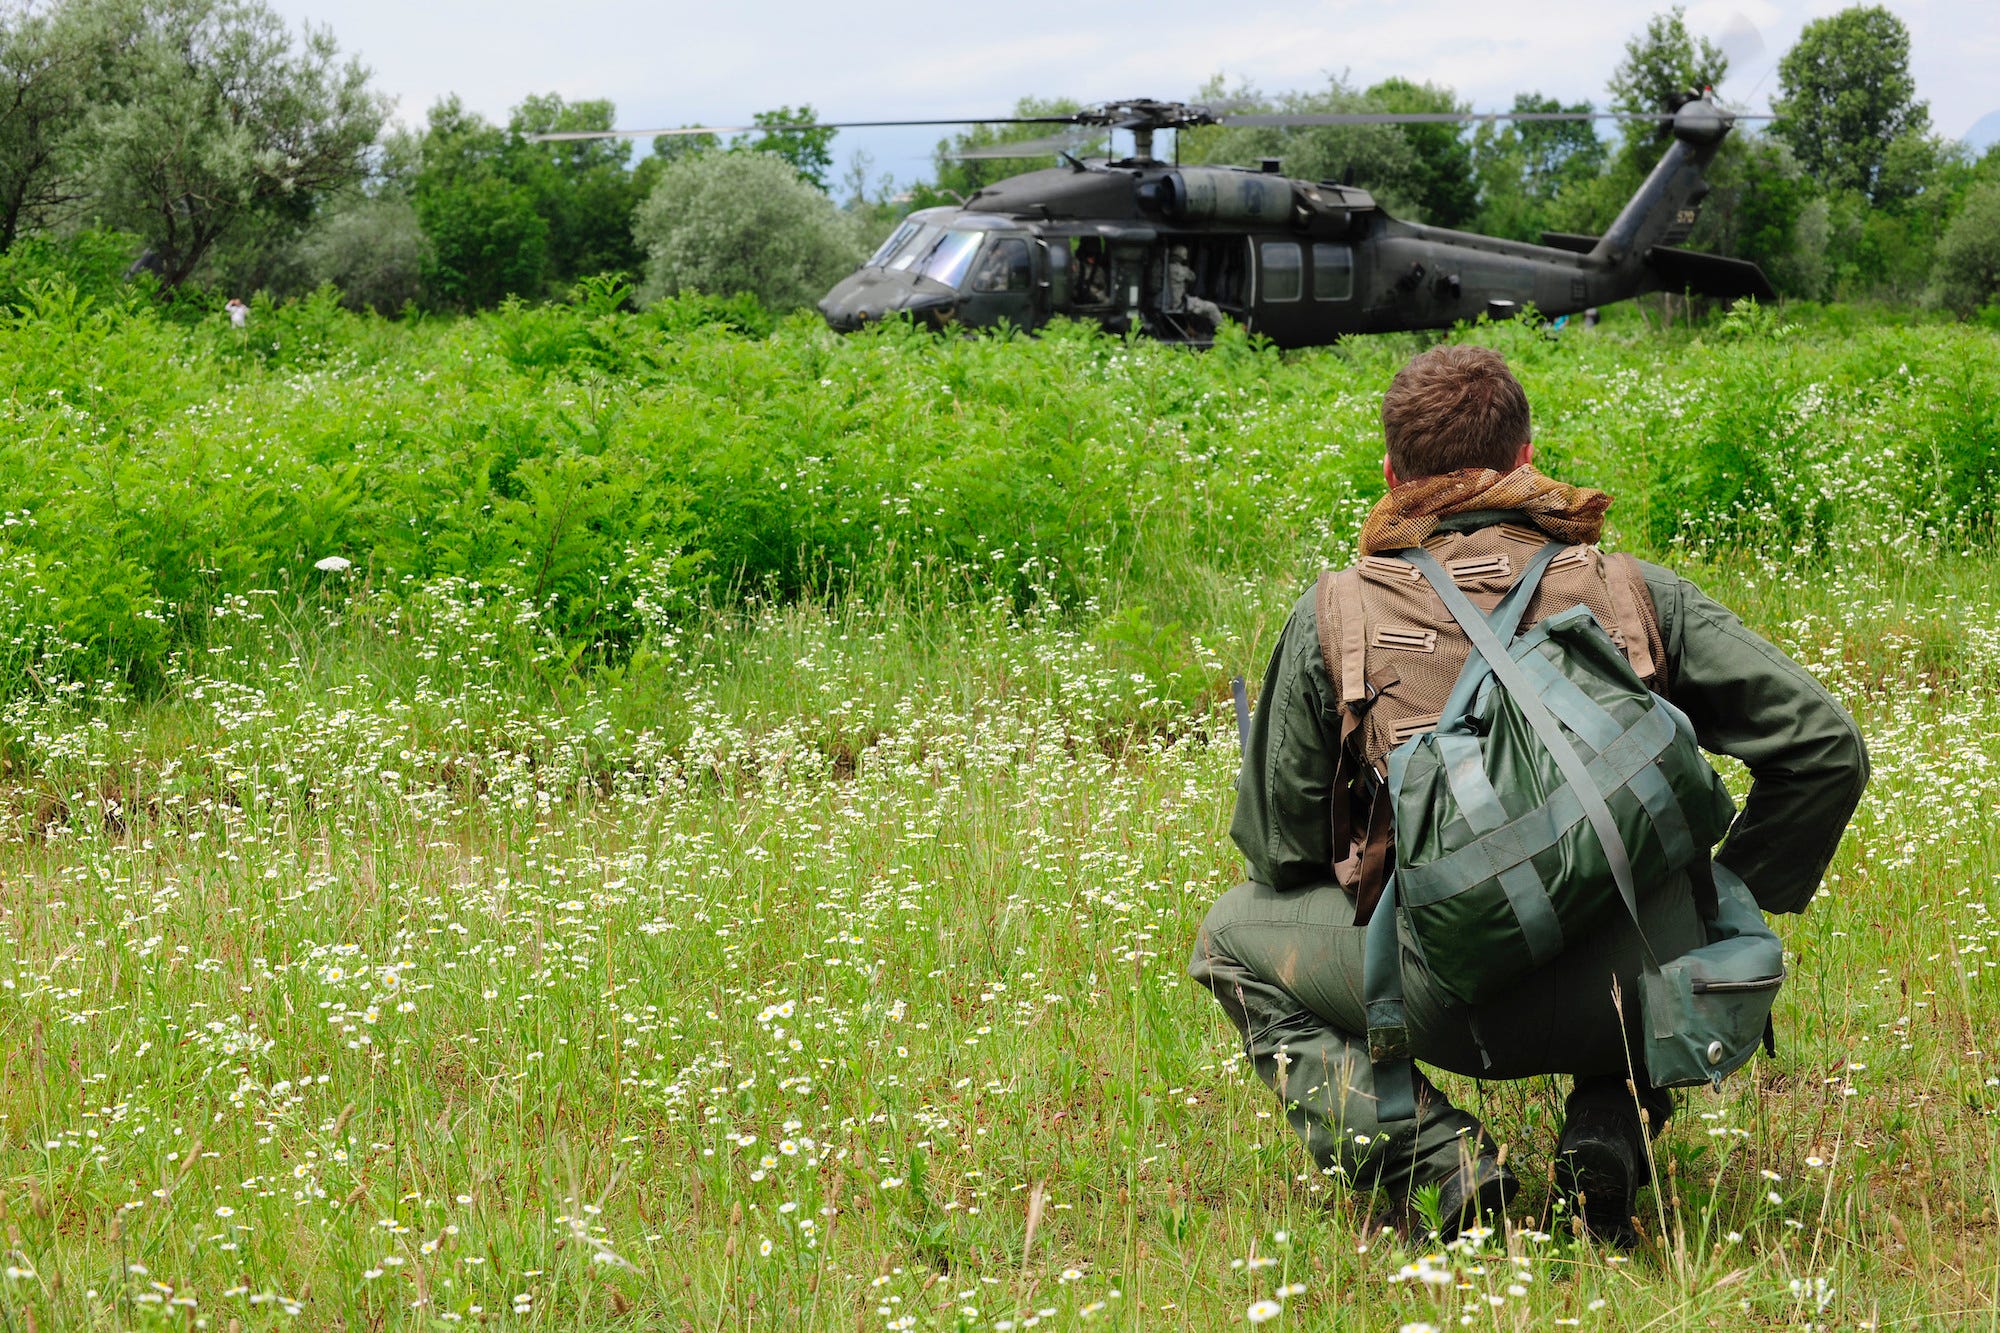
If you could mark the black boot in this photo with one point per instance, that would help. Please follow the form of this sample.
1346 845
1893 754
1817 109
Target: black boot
1601 1157
1478 1192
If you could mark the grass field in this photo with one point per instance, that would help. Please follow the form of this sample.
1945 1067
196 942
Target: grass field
417 944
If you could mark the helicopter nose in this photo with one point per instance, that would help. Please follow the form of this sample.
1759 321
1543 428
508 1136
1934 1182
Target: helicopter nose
865 297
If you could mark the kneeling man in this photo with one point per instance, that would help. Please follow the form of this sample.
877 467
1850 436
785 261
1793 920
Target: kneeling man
1348 683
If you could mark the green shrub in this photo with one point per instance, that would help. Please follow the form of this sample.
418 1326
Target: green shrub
607 472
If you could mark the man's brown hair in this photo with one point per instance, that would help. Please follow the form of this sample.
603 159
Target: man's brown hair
1452 408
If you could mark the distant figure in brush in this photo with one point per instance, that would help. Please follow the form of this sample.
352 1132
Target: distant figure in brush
239 314
1479 822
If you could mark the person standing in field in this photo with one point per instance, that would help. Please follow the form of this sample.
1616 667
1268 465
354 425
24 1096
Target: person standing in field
1364 667
239 314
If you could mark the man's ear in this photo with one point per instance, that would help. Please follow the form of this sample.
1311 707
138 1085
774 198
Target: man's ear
1389 472
1527 454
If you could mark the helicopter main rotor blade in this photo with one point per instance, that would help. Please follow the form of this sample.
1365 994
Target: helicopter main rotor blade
1304 118
564 136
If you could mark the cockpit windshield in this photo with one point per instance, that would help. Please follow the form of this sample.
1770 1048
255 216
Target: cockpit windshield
928 250
897 238
952 256
908 248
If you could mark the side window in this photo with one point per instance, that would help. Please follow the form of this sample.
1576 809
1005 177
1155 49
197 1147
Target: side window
1284 276
1333 272
1004 267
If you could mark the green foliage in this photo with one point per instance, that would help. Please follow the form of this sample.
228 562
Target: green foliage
93 262
810 151
724 223
1442 183
1846 101
1522 167
48 66
1967 275
582 188
1661 68
372 248
218 119
1761 206
612 471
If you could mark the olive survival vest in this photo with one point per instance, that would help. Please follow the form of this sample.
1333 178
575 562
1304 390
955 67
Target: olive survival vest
1394 653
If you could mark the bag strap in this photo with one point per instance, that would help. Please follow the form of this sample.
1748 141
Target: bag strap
1388 1026
1506 621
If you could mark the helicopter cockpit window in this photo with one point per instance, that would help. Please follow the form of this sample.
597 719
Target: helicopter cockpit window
1333 272
1004 267
1284 270
951 258
895 242
911 251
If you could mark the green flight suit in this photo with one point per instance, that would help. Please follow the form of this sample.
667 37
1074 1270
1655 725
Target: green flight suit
1282 954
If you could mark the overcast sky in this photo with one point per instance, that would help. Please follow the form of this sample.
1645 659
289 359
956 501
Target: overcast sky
666 62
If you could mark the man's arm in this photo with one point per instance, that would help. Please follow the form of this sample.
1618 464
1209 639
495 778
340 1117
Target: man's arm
1284 790
1805 755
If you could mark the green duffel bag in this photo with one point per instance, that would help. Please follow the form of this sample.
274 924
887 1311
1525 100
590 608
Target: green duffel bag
1503 856
1555 790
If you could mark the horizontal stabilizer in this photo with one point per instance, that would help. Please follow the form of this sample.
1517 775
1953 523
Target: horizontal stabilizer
1710 275
1569 240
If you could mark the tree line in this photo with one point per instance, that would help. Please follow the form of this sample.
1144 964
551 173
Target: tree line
240 155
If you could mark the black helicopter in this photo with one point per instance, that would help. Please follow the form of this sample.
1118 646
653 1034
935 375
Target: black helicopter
1170 251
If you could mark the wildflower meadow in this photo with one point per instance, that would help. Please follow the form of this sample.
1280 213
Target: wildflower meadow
577 820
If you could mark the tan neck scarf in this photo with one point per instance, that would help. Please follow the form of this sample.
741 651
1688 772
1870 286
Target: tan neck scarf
1410 512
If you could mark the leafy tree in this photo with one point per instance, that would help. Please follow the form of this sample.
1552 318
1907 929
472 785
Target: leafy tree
1968 257
1522 166
1761 206
582 188
219 120
48 55
1847 100
874 206
1441 180
1662 65
809 151
723 223
487 241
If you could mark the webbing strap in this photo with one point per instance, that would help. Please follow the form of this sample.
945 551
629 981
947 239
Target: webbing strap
1506 621
1574 770
1388 1028
1242 694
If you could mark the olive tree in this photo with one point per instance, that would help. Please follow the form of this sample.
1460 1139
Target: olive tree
724 223
48 57
220 118
372 248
